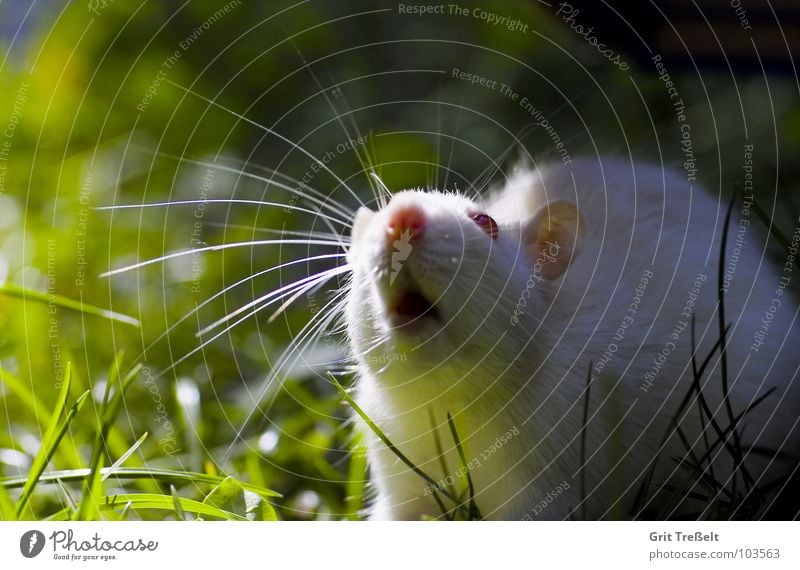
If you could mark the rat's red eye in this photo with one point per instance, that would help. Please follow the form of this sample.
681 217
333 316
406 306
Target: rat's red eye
486 223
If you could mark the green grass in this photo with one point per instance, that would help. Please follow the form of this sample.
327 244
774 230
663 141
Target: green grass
52 299
226 497
458 508
214 496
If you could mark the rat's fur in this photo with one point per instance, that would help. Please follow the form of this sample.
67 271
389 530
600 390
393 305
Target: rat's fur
520 376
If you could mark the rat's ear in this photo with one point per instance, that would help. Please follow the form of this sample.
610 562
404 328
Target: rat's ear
553 236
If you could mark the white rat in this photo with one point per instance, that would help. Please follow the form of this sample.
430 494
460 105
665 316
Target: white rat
493 312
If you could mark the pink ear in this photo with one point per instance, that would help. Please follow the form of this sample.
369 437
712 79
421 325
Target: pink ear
552 237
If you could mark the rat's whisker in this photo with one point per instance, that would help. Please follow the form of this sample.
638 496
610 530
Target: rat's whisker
345 240
381 191
208 341
438 138
382 185
495 165
376 341
325 200
345 362
218 294
339 301
280 293
218 247
293 298
266 129
296 188
317 323
223 201
338 116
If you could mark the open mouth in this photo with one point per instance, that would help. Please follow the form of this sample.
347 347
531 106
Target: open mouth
411 306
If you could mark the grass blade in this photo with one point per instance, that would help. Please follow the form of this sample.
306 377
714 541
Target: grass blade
51 439
473 511
109 408
180 514
382 436
154 501
356 480
437 442
723 361
700 403
230 496
124 473
6 506
585 420
12 290
767 221
118 463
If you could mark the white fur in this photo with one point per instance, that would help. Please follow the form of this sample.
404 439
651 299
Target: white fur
495 377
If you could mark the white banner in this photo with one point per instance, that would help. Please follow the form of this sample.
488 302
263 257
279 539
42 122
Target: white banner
375 546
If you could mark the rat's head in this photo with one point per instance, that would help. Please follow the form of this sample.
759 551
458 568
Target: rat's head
438 282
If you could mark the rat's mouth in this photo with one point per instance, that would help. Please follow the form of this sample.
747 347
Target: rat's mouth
411 306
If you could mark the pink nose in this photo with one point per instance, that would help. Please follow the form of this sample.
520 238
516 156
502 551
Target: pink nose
409 220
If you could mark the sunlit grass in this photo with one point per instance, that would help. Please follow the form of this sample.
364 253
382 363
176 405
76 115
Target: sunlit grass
226 497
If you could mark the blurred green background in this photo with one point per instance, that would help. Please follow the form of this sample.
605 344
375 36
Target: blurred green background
112 102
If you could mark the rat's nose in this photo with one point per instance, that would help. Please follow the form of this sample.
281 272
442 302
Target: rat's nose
406 221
